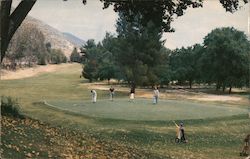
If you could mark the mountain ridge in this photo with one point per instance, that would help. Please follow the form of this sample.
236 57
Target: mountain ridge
74 39
53 36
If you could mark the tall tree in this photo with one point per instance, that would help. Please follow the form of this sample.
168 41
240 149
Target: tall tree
90 68
226 57
139 48
184 64
107 68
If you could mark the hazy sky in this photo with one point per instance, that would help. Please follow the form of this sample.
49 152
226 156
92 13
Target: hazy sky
91 21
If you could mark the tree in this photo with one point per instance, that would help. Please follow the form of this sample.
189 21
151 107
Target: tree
184 64
166 10
138 49
226 58
107 68
90 69
75 56
57 57
100 62
27 46
163 71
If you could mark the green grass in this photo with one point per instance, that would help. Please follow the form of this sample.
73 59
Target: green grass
212 133
143 109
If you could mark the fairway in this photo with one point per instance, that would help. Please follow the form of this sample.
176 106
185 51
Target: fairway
143 109
219 134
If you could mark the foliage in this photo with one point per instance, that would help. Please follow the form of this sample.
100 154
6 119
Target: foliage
56 57
75 56
160 13
91 63
27 46
184 64
139 49
10 107
140 57
99 59
226 58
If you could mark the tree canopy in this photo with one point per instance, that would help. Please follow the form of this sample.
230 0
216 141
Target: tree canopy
226 57
160 12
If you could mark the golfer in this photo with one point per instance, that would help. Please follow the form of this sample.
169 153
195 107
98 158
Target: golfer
112 93
183 139
178 133
94 96
132 92
156 95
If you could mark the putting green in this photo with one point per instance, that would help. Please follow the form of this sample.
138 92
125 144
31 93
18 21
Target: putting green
143 109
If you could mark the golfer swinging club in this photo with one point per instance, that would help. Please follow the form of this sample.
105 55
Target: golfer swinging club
94 96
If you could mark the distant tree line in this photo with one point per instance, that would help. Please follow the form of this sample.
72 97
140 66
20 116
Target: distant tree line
28 48
222 59
137 54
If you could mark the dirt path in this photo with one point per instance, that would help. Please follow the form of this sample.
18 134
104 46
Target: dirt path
30 72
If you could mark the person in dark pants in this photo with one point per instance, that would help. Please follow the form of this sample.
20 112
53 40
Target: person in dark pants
183 139
112 93
132 92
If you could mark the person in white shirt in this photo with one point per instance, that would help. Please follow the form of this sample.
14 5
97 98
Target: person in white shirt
94 96
156 95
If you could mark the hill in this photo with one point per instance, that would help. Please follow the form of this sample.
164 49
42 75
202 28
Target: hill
52 35
58 40
74 40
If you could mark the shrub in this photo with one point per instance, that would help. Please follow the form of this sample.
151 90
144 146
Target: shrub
57 57
10 107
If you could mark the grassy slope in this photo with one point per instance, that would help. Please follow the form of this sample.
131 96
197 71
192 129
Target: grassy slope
29 138
213 138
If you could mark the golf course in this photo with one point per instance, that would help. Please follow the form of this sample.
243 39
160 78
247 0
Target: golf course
214 128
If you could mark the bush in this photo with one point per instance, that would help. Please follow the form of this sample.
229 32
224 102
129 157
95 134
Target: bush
10 107
57 57
42 59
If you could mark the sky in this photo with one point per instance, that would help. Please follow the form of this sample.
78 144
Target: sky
90 21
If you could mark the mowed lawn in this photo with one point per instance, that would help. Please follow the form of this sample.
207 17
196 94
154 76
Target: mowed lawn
218 137
144 110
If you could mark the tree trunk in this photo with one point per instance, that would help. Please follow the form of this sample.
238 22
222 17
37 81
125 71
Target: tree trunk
230 90
5 12
223 88
190 84
218 85
10 22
